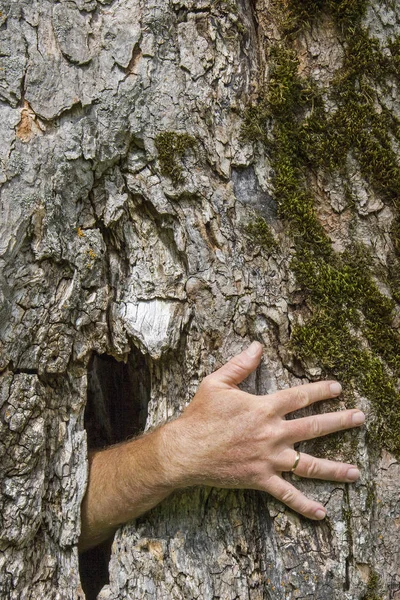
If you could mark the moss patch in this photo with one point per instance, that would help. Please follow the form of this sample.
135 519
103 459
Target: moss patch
260 234
171 148
301 14
351 333
372 588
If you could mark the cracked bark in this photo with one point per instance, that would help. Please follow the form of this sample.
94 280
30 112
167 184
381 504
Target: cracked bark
102 254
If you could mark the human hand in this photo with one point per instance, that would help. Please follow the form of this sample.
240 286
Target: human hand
229 438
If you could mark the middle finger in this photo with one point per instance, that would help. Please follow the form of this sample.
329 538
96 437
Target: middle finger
308 428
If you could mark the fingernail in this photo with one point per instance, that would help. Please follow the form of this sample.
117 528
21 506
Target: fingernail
353 474
358 418
320 514
335 388
253 349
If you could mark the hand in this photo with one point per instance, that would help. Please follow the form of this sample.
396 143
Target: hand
229 438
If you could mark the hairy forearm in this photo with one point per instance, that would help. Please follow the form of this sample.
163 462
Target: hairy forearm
125 481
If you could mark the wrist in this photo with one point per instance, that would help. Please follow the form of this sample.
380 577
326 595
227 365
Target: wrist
174 455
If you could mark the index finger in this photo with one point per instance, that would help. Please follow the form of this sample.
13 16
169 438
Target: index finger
300 396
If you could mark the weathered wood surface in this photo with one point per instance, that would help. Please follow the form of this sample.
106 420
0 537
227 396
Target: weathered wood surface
101 252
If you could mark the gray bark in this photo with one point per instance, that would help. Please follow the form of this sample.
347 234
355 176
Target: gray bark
101 252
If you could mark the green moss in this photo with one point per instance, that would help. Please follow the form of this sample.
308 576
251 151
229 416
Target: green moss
345 284
283 104
351 333
346 14
226 6
358 125
260 234
394 47
371 495
328 340
373 587
171 148
395 234
241 27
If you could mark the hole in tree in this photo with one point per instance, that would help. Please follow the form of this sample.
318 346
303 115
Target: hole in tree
117 398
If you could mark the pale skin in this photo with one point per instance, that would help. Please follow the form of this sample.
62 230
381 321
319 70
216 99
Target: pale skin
225 438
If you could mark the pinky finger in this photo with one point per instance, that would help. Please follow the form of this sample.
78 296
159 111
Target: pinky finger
292 497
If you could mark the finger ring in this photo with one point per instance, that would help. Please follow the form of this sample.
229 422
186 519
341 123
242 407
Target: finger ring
296 462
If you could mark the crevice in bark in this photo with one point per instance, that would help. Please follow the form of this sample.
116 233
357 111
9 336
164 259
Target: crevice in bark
118 394
26 371
350 556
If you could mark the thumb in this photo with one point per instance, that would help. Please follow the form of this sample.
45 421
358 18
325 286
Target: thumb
240 366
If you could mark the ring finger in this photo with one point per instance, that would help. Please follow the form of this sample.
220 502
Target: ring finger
319 468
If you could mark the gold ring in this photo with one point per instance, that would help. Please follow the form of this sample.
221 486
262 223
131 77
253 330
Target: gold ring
296 462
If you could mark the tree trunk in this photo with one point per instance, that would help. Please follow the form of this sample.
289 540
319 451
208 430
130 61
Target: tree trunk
180 178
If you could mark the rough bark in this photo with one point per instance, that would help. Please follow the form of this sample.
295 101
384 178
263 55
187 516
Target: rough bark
108 248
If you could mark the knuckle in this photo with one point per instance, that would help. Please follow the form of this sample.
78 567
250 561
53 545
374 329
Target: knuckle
254 473
301 397
345 421
269 410
288 496
260 417
237 365
340 471
315 426
305 509
312 468
208 383
278 428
